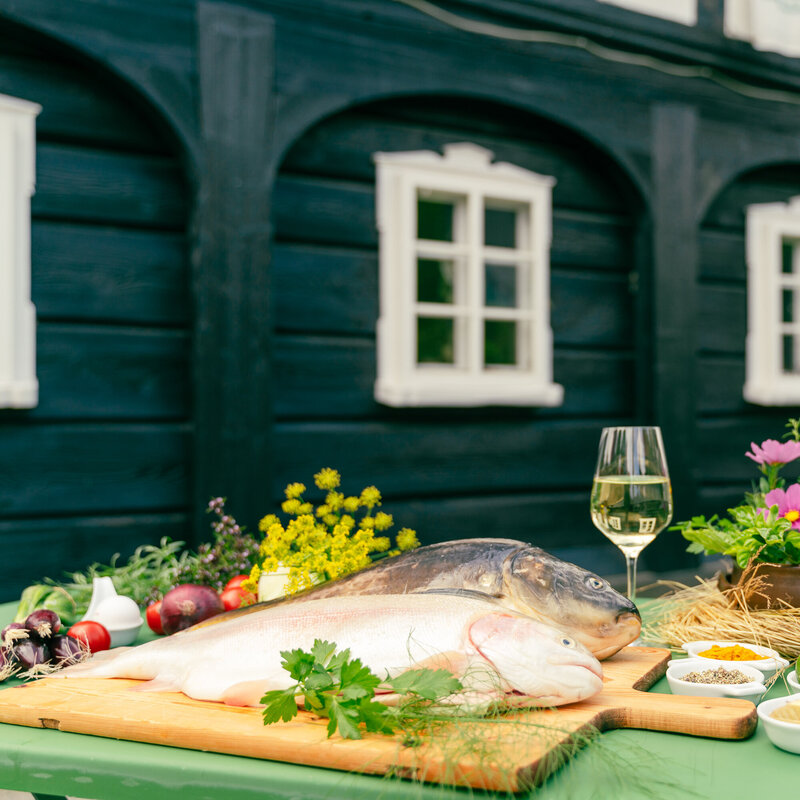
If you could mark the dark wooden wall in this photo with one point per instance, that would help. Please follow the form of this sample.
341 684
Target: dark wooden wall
101 464
450 473
726 421
166 378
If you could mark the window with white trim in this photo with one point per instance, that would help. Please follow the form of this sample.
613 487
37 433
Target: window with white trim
773 304
18 385
464 281
772 25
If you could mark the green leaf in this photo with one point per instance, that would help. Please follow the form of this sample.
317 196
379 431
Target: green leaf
429 684
344 719
377 717
280 705
322 651
298 663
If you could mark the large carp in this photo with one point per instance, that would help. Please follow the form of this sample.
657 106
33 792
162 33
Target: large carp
499 656
522 578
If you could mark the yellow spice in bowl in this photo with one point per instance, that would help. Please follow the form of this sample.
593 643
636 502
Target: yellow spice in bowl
787 713
732 653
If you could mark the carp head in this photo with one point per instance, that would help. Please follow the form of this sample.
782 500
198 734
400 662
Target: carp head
535 660
572 598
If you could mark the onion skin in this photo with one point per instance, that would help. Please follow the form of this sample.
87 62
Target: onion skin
30 654
43 622
65 650
188 604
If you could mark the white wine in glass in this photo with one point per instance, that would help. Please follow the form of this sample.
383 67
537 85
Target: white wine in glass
631 496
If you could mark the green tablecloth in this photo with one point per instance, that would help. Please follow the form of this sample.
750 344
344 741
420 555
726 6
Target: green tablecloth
57 763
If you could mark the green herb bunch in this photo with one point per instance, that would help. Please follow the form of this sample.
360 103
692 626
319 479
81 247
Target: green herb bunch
766 526
232 552
341 688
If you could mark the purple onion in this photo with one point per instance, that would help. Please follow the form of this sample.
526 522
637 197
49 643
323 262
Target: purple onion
66 650
13 632
43 622
30 653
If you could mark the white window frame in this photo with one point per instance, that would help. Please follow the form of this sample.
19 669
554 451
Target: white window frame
768 226
682 11
765 24
19 387
464 171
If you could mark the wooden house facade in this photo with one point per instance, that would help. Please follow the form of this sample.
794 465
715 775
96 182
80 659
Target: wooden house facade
205 260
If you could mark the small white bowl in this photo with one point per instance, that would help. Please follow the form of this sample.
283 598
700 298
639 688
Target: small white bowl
791 679
785 735
124 636
754 690
769 665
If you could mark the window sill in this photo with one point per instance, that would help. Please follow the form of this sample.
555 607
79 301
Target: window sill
464 391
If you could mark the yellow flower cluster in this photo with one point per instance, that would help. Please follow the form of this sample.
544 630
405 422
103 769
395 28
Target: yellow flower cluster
326 542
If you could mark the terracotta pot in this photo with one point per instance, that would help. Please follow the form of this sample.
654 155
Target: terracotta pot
779 582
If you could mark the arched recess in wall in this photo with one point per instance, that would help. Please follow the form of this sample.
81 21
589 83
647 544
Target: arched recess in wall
101 464
325 282
725 418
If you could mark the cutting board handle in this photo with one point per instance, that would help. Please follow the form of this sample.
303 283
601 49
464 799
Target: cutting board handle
718 717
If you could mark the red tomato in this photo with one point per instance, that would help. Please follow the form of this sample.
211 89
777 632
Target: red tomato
235 582
153 617
94 635
233 598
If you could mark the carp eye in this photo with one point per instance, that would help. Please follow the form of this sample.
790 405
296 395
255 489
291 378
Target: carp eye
595 583
567 642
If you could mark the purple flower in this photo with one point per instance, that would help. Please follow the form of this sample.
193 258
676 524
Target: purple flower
773 452
788 503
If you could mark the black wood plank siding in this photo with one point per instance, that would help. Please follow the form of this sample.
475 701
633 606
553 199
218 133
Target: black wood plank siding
101 465
472 471
727 424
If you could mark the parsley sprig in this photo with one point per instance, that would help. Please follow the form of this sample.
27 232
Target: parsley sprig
342 689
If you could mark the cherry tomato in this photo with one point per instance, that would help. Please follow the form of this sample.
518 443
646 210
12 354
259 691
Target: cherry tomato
235 582
153 617
94 635
233 598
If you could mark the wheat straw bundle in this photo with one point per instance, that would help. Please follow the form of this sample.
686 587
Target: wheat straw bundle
702 612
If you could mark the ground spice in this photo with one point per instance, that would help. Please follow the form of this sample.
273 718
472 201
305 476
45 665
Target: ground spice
718 675
732 653
788 713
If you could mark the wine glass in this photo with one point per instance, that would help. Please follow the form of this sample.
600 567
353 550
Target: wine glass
631 495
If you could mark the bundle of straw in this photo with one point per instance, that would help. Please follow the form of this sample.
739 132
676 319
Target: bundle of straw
703 612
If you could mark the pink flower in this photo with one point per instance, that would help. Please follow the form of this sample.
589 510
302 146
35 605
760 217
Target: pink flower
788 503
773 452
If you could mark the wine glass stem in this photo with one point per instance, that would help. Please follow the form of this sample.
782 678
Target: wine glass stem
630 561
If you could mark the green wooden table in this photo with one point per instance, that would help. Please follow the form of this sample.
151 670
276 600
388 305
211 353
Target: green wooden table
54 763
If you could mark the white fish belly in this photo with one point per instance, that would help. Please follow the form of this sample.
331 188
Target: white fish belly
389 633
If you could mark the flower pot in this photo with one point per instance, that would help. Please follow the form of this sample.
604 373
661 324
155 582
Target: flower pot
272 585
766 585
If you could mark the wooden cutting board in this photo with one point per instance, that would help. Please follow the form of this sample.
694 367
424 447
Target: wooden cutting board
109 707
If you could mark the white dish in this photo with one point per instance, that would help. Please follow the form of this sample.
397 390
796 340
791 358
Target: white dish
769 665
791 679
785 735
754 690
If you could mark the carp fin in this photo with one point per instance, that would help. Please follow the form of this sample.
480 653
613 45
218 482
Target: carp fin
247 693
158 685
475 593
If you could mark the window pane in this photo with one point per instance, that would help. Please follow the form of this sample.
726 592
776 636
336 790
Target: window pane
790 360
434 281
501 285
500 227
435 341
499 342
787 256
435 220
788 305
